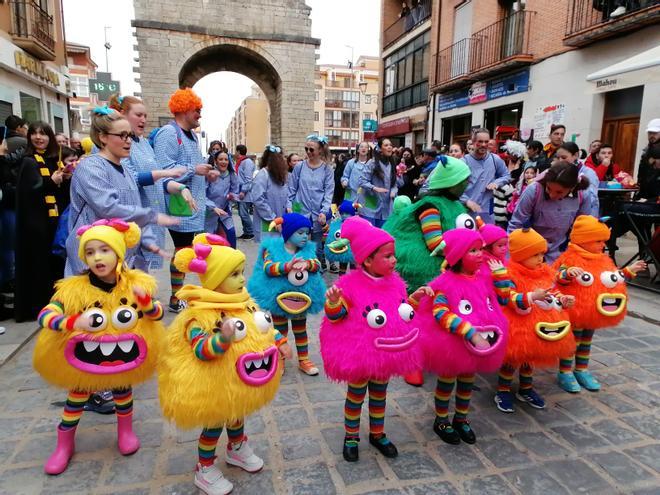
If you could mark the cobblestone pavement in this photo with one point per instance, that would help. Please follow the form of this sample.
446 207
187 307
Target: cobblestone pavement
606 442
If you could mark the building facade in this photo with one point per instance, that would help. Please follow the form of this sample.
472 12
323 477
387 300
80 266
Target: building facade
250 124
33 74
81 69
512 65
405 65
346 102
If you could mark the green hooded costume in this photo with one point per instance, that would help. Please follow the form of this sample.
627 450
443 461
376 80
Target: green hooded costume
414 261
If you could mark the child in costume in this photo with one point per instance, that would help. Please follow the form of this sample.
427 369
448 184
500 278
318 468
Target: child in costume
338 249
496 242
586 272
539 327
463 330
286 281
367 334
221 360
220 196
101 331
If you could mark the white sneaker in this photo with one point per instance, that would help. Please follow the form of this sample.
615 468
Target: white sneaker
241 455
619 11
211 481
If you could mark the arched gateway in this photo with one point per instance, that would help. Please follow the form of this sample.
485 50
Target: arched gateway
181 41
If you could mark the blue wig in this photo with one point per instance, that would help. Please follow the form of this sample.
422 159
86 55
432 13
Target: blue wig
272 293
335 234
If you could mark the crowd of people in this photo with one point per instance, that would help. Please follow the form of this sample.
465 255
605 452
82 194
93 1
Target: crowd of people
492 245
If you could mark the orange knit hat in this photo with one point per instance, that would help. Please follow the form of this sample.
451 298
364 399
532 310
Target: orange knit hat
589 229
525 243
184 100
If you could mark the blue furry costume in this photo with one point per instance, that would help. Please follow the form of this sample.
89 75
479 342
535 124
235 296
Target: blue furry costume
266 290
334 234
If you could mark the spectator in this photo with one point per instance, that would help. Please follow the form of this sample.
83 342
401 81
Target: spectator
605 167
503 194
557 133
214 148
292 160
340 165
429 163
42 194
592 159
469 146
492 147
355 167
456 150
487 172
536 156
245 167
409 187
380 184
76 144
61 139
220 195
17 129
270 191
570 152
436 146
551 204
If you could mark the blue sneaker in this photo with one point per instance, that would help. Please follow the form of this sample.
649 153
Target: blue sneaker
531 397
504 401
568 382
587 380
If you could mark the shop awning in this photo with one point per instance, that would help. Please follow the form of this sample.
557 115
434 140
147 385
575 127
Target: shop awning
634 71
393 127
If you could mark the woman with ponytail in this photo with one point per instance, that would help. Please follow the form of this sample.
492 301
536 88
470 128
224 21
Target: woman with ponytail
380 184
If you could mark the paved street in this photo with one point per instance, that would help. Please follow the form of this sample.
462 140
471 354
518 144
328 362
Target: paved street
605 443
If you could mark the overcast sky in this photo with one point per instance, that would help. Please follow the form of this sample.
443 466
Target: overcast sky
336 22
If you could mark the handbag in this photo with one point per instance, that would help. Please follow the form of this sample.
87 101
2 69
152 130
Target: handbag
177 206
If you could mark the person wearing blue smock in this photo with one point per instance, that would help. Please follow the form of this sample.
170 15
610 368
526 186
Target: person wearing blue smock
245 168
487 172
220 195
270 191
551 204
355 167
570 152
380 184
311 186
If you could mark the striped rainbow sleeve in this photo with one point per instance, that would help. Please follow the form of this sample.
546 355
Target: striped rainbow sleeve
52 316
271 268
279 339
431 223
337 311
207 347
628 274
448 320
151 308
563 278
313 265
502 284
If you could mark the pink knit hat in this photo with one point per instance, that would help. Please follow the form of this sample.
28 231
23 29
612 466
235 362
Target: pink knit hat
492 233
458 242
364 237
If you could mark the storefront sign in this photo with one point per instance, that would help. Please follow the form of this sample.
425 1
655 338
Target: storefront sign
510 84
454 99
104 86
36 68
477 92
369 125
394 127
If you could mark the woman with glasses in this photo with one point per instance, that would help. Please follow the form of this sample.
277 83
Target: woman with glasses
42 194
141 163
102 188
380 184
311 186
270 191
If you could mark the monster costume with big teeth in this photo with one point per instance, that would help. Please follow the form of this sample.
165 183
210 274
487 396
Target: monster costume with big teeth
101 331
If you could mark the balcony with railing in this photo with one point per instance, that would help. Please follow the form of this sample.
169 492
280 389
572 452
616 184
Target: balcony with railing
32 29
500 47
406 23
587 24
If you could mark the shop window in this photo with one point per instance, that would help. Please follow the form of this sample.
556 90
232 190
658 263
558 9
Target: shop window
6 109
508 115
58 124
30 108
624 103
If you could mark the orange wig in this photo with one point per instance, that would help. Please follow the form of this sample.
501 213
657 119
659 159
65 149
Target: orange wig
600 294
184 100
541 335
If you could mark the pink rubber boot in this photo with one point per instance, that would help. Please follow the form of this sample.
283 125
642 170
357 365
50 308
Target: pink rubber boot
127 442
59 459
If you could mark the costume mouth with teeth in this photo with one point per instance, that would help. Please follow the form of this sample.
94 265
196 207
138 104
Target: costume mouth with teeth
541 334
337 249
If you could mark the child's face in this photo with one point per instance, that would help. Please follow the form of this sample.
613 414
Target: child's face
101 259
234 282
499 248
473 258
594 246
299 238
530 174
382 261
70 161
222 162
533 262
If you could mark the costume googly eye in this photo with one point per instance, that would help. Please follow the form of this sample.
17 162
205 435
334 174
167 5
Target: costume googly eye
240 329
298 278
97 319
406 312
610 279
546 304
489 304
465 221
338 234
465 307
586 279
124 318
622 275
263 321
376 318
556 304
523 312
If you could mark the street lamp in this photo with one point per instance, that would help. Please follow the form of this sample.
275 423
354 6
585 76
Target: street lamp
350 132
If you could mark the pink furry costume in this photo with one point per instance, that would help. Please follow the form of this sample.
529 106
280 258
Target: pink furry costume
462 306
368 336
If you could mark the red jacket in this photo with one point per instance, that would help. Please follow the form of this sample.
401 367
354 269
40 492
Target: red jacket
601 170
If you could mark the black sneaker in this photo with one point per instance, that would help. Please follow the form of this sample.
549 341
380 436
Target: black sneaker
446 432
101 402
464 431
350 451
248 237
383 445
177 305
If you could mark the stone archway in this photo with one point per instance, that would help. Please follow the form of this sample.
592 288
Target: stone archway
273 47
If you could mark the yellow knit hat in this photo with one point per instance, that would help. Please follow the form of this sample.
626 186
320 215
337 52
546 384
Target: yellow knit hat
589 229
525 243
211 258
116 233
